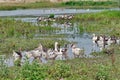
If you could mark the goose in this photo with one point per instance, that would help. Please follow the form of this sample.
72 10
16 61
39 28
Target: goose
58 51
17 55
118 40
70 17
65 51
77 52
40 18
47 54
56 47
51 55
59 54
112 40
94 39
36 53
101 43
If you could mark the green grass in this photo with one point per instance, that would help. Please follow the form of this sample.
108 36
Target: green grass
91 4
14 6
106 22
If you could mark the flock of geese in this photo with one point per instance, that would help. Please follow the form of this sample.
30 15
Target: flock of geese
61 17
58 53
49 54
104 42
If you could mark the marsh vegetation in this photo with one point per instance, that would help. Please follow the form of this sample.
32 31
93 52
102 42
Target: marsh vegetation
15 34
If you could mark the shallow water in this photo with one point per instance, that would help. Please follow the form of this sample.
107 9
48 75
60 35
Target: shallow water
84 40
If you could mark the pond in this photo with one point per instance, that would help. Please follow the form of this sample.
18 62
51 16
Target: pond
83 39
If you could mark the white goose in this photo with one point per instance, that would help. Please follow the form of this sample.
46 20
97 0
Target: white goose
59 52
17 55
65 51
60 55
94 39
101 43
77 52
36 53
47 54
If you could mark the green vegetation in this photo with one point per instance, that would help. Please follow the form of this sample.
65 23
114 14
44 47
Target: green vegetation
13 28
51 16
14 6
94 68
17 34
69 4
91 4
107 22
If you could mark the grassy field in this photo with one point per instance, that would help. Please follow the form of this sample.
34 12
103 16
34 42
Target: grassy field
70 4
